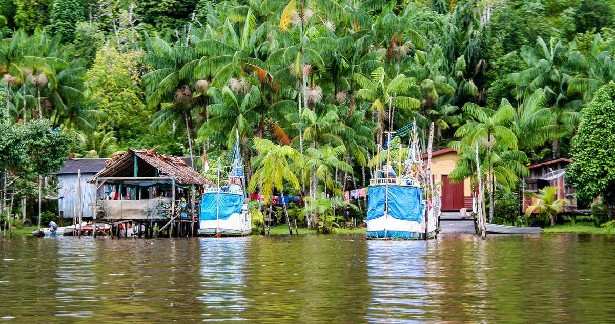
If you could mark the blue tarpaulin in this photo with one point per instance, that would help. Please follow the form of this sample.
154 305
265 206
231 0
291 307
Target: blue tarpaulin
405 203
220 205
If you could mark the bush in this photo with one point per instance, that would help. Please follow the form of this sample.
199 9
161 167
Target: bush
258 219
599 213
47 217
507 209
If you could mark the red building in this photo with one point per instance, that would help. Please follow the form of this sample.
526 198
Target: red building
549 173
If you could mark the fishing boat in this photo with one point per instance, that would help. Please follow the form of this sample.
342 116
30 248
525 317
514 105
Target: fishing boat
405 204
223 209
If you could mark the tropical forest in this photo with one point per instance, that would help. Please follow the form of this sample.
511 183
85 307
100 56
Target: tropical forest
313 93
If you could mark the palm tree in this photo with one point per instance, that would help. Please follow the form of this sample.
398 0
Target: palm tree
547 204
274 168
233 112
386 94
97 143
489 129
550 68
168 85
597 69
532 122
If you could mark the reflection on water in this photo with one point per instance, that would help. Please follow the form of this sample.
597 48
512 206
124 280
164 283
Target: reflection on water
557 278
75 278
398 281
222 278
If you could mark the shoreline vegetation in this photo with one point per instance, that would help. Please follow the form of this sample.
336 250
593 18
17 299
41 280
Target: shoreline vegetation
310 90
282 230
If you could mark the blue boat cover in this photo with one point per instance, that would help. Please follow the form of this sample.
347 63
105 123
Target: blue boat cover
405 203
220 205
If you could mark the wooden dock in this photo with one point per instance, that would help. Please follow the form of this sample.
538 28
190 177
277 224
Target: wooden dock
466 226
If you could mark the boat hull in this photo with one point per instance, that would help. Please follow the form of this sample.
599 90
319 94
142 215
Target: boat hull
235 225
399 212
390 228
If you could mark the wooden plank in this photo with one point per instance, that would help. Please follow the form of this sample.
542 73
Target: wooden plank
504 229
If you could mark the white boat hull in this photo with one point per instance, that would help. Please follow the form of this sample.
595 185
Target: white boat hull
236 224
388 227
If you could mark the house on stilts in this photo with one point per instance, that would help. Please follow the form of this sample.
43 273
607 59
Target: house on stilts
143 193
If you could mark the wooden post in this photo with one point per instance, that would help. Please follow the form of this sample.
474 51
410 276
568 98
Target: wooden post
290 230
172 206
40 197
94 207
429 177
79 206
24 203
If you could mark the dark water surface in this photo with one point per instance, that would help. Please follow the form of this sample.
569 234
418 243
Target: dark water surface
338 279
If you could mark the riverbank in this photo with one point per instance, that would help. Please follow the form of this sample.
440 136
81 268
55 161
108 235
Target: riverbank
283 230
578 229
23 230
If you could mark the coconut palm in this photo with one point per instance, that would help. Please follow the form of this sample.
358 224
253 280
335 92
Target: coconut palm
547 204
598 68
532 122
385 94
97 143
233 110
489 129
168 86
274 170
550 68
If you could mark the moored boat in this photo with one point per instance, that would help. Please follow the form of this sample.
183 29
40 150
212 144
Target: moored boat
224 211
404 206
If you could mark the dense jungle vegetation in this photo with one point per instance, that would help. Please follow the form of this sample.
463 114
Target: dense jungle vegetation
306 86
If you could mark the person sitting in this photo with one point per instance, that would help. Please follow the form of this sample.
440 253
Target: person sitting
53 227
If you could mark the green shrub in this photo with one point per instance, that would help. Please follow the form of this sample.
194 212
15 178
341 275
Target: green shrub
599 213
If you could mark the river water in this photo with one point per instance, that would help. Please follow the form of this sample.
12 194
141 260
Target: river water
340 279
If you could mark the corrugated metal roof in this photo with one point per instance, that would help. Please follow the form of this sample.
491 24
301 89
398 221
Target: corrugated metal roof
85 165
549 162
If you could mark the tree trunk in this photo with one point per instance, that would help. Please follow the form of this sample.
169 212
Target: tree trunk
4 189
555 148
491 195
23 209
189 138
290 229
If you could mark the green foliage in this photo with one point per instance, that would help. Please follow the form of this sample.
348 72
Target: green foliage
113 86
64 15
188 76
88 39
599 211
546 205
166 13
31 14
593 15
507 208
593 168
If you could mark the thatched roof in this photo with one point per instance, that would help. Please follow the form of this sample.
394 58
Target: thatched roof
151 164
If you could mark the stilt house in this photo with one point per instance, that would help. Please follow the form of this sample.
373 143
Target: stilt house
144 187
